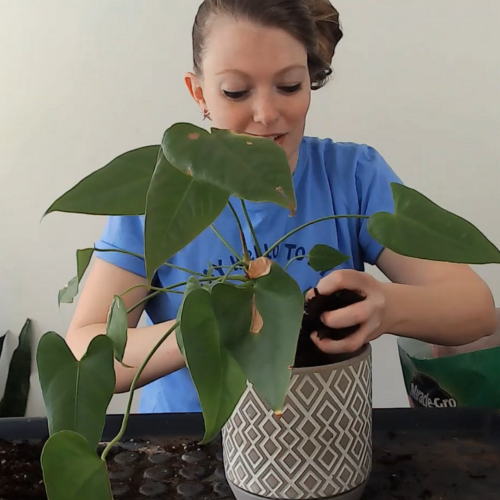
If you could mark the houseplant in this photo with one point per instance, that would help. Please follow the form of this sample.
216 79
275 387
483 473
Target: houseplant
14 400
250 312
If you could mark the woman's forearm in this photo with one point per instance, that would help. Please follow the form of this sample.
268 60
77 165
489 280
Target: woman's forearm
450 313
140 343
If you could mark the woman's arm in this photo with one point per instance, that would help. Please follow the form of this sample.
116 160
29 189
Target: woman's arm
103 283
439 303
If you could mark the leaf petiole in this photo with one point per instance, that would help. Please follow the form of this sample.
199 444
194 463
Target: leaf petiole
252 230
227 245
132 389
307 224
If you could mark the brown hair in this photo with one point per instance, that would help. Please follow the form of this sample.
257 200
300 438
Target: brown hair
315 23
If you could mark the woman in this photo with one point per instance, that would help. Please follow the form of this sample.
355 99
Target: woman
255 65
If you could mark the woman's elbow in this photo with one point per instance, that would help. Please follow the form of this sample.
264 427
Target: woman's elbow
485 314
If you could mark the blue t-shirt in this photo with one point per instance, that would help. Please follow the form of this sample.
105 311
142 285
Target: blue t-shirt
330 179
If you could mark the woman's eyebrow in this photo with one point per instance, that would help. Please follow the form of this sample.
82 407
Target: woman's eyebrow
280 72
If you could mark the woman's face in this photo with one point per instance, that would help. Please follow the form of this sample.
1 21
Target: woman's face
255 80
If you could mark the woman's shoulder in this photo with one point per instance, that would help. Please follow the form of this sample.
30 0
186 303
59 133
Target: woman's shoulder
350 162
342 155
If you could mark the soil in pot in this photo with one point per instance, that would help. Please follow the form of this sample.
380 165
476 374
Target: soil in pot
308 354
137 470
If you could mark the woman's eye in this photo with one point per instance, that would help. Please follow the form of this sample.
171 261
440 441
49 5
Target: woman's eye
235 95
291 89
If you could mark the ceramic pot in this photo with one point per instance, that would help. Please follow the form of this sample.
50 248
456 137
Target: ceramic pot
320 448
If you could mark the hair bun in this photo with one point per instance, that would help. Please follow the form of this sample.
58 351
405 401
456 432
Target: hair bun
329 34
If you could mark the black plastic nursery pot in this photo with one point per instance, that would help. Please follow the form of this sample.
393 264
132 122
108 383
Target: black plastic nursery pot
417 454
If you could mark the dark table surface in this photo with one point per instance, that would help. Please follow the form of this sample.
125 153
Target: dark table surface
417 453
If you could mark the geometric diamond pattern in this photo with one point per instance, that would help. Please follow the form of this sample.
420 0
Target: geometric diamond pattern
322 444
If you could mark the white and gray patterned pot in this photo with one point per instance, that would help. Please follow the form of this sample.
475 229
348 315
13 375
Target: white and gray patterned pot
321 447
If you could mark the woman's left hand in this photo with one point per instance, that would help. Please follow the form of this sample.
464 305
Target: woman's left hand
369 313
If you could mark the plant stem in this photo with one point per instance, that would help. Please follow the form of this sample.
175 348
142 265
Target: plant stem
252 230
296 258
296 230
171 288
242 234
228 246
231 269
117 250
132 389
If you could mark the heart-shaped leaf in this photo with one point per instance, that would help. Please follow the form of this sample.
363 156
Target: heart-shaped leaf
192 284
119 188
422 229
72 470
250 167
267 357
233 309
76 393
117 327
178 209
325 258
218 379
17 387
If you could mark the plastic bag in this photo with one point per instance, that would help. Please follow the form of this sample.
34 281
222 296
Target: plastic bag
449 377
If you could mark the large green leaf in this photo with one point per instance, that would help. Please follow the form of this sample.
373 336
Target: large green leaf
17 388
252 168
192 284
70 291
119 188
325 258
76 393
422 229
233 309
117 327
218 379
267 357
178 209
72 470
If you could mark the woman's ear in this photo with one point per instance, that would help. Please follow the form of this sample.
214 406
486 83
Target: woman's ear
195 89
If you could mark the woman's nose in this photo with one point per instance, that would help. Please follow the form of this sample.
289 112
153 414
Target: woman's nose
265 111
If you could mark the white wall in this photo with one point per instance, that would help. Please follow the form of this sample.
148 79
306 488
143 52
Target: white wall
83 81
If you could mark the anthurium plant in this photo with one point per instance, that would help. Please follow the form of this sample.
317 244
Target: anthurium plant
226 325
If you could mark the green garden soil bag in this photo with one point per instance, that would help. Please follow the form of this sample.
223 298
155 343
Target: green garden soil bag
451 377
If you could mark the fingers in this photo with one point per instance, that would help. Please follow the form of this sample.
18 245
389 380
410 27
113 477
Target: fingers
338 280
348 345
354 314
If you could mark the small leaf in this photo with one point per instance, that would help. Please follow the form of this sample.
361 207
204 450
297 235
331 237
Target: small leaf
17 388
178 209
267 357
83 258
419 228
259 267
70 291
72 470
218 379
119 188
2 340
325 258
117 327
76 393
250 167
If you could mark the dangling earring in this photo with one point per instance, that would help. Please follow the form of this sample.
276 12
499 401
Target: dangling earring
206 114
